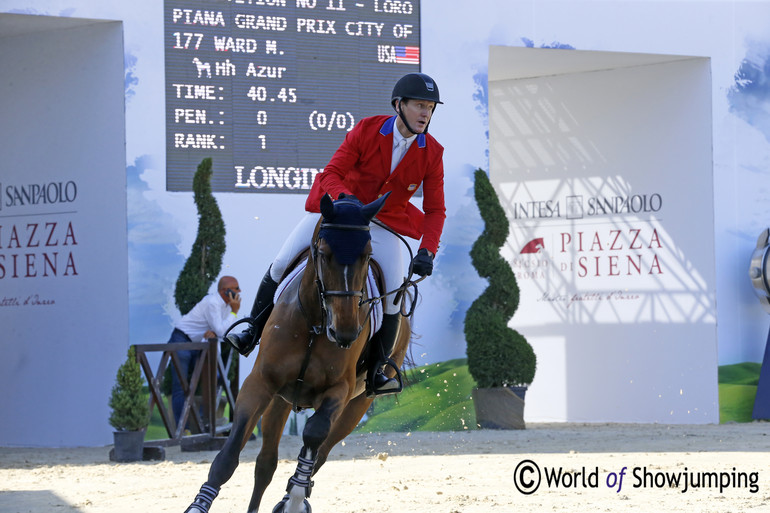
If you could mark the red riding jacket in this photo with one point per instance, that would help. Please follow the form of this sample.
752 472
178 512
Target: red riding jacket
361 166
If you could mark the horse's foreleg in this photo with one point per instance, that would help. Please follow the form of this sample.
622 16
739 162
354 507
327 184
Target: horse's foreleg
343 426
273 421
316 430
251 402
355 409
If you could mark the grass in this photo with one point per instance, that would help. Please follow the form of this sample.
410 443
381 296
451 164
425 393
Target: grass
737 390
438 398
156 430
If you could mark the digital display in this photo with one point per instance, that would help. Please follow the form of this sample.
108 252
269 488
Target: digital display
269 88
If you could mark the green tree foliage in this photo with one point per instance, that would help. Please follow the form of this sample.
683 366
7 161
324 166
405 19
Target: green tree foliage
205 261
497 355
130 411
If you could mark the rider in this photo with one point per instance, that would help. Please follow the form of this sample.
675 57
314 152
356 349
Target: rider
381 154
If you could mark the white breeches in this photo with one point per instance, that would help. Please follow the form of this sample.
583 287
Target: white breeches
386 250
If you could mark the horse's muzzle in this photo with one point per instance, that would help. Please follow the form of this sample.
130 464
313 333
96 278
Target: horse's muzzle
343 339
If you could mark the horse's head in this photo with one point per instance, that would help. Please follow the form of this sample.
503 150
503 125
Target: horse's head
341 255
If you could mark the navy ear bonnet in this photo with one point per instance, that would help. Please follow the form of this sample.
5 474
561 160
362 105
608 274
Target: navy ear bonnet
346 244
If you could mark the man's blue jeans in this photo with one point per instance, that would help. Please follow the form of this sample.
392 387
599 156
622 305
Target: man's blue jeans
187 360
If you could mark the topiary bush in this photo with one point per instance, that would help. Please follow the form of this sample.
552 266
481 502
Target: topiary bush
497 355
130 411
205 261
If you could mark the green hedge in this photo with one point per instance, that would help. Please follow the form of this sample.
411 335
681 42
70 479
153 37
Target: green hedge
205 261
497 355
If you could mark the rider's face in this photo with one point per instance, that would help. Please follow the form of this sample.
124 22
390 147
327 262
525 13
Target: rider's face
417 114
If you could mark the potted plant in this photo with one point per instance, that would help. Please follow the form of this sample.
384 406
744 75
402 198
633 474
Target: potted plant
130 411
500 359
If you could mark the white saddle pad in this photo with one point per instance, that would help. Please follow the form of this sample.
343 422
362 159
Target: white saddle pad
372 290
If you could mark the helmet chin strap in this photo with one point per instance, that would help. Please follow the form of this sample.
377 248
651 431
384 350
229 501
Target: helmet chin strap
406 123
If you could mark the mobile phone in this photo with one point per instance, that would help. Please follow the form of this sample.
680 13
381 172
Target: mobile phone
230 293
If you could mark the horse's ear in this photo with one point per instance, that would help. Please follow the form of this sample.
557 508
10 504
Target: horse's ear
327 206
370 210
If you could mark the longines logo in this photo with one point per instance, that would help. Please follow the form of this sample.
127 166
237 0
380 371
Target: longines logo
50 193
579 207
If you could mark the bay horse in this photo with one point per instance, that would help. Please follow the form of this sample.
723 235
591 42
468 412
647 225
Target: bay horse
312 355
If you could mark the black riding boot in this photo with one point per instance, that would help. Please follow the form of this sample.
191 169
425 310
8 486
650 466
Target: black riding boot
383 344
246 341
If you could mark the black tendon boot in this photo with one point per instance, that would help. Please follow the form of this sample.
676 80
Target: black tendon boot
203 500
383 343
246 341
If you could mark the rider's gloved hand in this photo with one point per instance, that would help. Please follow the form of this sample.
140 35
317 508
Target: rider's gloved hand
422 263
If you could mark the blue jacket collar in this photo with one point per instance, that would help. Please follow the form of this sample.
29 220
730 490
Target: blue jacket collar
387 129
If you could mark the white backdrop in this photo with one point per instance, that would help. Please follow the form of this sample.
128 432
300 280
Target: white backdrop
63 254
603 165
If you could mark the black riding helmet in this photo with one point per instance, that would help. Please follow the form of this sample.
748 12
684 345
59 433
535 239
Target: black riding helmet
414 86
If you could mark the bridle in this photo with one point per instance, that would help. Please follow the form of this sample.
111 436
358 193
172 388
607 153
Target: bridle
399 292
323 292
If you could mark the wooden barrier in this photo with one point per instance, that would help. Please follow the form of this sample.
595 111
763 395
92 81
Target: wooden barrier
211 373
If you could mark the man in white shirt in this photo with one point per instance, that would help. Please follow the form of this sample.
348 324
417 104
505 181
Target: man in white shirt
210 318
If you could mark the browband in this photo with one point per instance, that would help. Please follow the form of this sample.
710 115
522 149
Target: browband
333 226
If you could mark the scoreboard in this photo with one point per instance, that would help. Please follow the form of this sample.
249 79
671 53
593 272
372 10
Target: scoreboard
269 88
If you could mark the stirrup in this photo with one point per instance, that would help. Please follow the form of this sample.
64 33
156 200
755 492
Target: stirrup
243 342
374 392
247 340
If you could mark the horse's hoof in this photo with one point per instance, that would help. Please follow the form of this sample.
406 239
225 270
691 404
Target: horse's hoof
280 507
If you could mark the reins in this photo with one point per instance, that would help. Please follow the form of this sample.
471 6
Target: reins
408 283
400 292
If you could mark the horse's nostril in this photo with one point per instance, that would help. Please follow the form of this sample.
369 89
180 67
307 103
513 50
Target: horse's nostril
343 339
